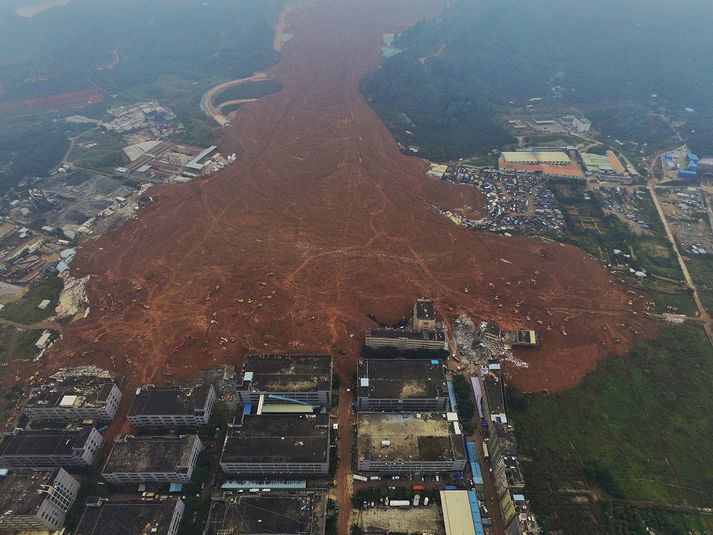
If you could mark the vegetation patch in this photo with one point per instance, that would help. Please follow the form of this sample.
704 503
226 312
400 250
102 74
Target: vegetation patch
638 428
25 310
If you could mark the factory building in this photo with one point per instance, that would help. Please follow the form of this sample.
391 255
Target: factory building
172 407
131 517
277 445
50 448
35 499
152 459
74 395
286 380
406 339
494 398
280 513
408 385
536 158
409 443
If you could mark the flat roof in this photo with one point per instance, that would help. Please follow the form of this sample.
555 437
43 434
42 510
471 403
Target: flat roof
544 157
385 332
74 387
457 514
170 400
288 373
21 490
401 379
150 454
43 442
407 437
127 517
294 513
494 392
425 309
279 438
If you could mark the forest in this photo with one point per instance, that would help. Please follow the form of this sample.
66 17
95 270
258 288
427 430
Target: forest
457 70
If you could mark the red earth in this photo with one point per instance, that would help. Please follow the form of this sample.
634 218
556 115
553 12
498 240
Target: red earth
320 222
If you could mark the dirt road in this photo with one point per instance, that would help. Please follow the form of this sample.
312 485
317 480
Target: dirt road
702 312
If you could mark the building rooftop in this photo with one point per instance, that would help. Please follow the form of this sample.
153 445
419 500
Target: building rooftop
505 438
74 387
425 309
274 513
21 490
525 157
438 334
279 438
287 373
494 392
130 517
150 454
427 436
401 379
170 400
44 442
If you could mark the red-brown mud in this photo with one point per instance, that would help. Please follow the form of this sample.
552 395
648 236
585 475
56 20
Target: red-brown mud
320 222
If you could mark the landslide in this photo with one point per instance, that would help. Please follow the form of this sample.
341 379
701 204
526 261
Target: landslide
320 222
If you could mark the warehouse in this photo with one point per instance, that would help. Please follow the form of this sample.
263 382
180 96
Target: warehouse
461 513
152 459
409 443
294 513
277 445
286 379
536 158
74 395
50 448
172 407
122 517
401 385
35 500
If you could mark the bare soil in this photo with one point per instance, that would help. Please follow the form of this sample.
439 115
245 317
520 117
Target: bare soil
320 222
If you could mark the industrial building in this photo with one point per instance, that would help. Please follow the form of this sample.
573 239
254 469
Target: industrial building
536 158
424 315
277 445
131 517
407 339
494 398
152 459
74 395
461 512
35 499
604 164
172 407
554 163
385 385
286 380
50 448
274 513
409 443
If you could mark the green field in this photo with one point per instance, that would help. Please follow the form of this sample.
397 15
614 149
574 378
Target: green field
638 428
701 269
25 309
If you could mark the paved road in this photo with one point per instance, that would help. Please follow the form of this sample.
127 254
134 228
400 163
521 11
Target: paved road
705 317
344 446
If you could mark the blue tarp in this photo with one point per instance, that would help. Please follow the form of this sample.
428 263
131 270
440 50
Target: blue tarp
474 463
175 487
452 396
475 509
247 408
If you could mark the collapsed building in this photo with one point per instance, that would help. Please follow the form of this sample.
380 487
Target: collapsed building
74 395
35 499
